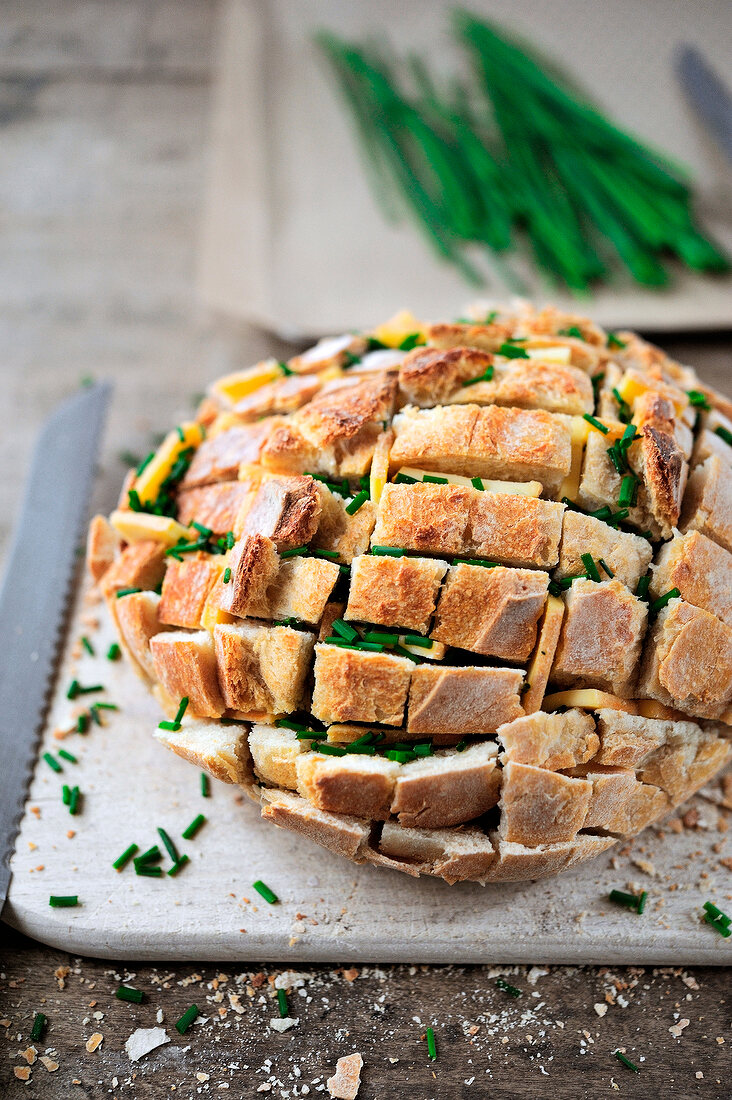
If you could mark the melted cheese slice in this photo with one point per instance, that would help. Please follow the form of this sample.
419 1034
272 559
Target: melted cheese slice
152 477
589 699
580 430
514 488
232 387
538 671
136 526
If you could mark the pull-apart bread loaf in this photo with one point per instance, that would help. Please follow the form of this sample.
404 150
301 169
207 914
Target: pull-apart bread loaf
450 598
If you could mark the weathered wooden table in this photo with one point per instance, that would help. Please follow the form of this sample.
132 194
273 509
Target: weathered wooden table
104 107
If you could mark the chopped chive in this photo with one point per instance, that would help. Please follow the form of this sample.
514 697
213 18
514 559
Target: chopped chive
418 640
510 351
145 463
330 750
306 735
288 724
715 913
169 845
411 341
387 551
172 727
604 565
66 794
190 831
205 531
433 479
626 1061
74 800
345 630
383 637
227 575
229 540
508 988
127 993
371 647
331 555
629 901
63 901
404 479
724 433
431 1045
146 870
284 368
82 723
486 376
181 437
298 550
266 893
475 561
461 745
642 586
90 689
73 689
573 330
593 572
614 341
105 706
152 855
597 380
477 483
624 410
126 592
361 750
52 762
282 1002
94 715
358 501
661 602
178 865
628 491
68 756
400 756
181 708
87 645
188 1017
39 1023
124 859
598 424
205 785
719 921
698 399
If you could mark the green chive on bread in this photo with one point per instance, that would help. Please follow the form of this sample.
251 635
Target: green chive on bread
452 598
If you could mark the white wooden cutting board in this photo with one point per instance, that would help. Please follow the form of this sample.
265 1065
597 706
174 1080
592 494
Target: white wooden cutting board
293 238
329 909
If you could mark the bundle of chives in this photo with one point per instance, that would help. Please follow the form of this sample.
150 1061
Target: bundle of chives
516 150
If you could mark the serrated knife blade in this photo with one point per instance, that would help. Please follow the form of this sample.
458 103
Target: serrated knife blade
709 97
35 592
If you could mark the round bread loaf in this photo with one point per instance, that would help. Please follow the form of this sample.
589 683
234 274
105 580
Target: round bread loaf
450 598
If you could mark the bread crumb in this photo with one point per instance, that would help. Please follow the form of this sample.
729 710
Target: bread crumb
600 1008
96 1040
346 1081
145 1039
676 1029
284 1024
29 1055
49 1063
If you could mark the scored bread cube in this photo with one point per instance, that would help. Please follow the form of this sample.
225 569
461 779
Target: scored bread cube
627 740
627 555
185 665
707 506
455 855
275 751
599 645
687 760
431 518
688 661
517 861
700 569
186 587
494 442
138 620
219 456
262 669
301 589
620 803
347 535
359 785
532 385
356 686
285 509
394 592
254 566
215 506
284 395
515 530
552 741
220 750
709 443
447 788
343 834
431 376
446 703
541 807
140 565
491 611
101 545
